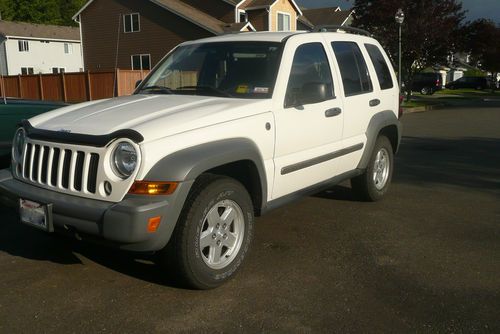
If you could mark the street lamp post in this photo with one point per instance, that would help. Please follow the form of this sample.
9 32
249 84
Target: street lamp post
400 17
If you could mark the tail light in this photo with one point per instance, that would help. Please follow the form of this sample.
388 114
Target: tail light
401 99
437 83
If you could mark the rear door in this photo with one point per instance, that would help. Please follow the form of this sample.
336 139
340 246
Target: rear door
361 98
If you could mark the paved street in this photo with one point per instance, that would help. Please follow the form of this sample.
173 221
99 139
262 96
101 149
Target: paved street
425 259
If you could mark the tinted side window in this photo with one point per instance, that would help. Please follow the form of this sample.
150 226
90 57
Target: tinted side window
310 69
353 68
383 72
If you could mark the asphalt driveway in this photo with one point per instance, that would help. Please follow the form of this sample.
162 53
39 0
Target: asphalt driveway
425 259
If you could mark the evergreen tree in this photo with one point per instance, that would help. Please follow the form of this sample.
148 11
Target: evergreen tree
59 12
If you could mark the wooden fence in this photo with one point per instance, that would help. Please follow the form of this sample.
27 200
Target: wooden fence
71 87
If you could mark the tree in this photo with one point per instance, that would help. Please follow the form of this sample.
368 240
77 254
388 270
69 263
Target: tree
57 12
429 33
481 43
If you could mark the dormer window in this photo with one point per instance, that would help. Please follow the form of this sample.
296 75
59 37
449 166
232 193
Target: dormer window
284 22
131 23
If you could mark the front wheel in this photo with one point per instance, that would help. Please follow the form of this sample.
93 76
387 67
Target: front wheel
213 234
373 184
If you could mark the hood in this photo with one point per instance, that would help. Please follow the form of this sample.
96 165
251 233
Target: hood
148 113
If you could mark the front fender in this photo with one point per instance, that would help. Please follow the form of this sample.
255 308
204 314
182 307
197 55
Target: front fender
188 164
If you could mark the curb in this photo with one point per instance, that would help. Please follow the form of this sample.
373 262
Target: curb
423 108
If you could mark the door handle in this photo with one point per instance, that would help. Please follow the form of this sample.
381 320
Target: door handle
333 112
374 102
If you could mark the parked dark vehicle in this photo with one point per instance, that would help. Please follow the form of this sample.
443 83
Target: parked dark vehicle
11 114
427 83
469 82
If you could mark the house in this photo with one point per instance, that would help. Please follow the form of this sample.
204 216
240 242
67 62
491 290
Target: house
331 16
136 34
27 48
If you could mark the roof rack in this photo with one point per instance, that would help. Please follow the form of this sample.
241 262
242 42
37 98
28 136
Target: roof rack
333 28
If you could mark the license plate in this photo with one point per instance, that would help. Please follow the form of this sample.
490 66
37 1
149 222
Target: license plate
36 214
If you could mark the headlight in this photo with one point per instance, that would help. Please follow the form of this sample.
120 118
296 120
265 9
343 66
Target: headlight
18 145
124 159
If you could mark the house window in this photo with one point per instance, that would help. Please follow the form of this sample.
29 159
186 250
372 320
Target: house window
56 70
131 22
68 48
27 70
284 22
242 16
141 62
24 46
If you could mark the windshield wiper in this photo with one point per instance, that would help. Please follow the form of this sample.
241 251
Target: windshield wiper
219 92
157 90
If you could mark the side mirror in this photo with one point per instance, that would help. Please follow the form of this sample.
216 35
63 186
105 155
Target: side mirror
137 83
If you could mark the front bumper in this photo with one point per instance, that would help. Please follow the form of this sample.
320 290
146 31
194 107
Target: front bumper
122 225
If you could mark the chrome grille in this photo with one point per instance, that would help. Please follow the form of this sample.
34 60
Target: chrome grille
62 168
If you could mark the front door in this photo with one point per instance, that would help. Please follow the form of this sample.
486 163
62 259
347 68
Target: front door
310 121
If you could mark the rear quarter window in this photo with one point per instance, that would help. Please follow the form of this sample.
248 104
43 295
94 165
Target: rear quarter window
353 69
380 65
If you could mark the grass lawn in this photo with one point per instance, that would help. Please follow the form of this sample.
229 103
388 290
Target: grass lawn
469 92
414 104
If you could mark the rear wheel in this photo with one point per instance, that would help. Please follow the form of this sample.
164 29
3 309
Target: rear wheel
373 184
213 234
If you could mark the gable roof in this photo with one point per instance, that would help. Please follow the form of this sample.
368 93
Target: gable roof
302 19
193 15
23 29
183 10
327 16
233 2
257 4
237 27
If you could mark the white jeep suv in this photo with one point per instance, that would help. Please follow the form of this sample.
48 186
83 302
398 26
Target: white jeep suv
222 129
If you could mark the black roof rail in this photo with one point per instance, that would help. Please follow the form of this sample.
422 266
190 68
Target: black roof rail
325 28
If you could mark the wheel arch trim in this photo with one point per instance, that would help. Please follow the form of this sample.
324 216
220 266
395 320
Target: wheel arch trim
386 119
188 164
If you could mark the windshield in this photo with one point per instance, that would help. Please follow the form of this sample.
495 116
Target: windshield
226 69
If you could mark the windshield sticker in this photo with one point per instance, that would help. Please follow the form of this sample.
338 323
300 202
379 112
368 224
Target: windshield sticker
242 89
261 90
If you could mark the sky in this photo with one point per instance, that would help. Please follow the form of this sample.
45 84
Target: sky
489 9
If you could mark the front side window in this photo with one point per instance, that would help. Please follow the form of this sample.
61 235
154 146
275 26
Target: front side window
381 68
224 69
131 22
353 69
310 73
284 22
141 62
24 46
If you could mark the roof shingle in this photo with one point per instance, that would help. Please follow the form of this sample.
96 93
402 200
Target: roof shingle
192 14
23 29
326 16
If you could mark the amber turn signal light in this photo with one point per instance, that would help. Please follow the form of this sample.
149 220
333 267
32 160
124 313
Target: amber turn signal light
152 188
153 224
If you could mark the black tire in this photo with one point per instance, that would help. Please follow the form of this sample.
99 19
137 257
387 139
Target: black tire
364 186
424 91
184 255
